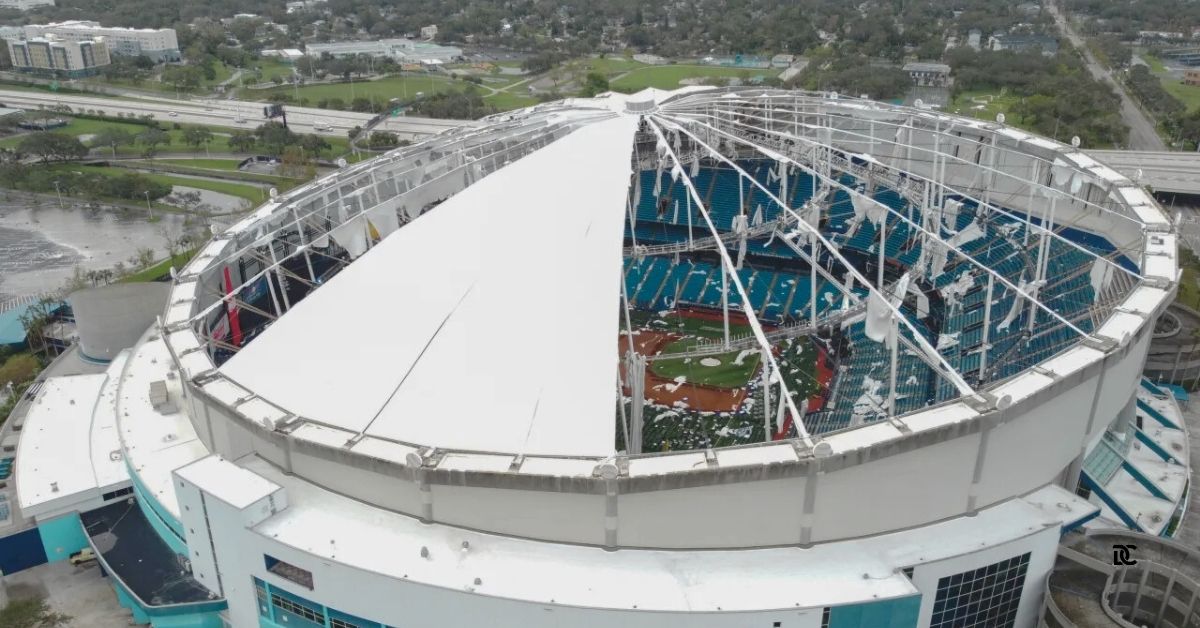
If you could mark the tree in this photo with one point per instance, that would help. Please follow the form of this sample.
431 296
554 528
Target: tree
242 141
293 161
383 139
143 258
194 136
594 83
18 369
187 200
273 137
31 613
315 144
185 78
51 146
150 139
113 137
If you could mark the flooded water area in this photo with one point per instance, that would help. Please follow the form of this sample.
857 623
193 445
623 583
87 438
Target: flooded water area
41 245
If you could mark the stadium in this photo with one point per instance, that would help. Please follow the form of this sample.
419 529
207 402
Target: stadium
711 357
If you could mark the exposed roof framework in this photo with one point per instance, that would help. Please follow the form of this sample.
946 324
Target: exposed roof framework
908 151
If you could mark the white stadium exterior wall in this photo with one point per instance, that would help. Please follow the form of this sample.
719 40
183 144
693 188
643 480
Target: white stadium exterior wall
868 493
1041 544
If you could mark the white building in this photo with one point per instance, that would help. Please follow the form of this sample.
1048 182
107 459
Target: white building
402 50
285 54
51 55
25 5
160 44
429 32
509 456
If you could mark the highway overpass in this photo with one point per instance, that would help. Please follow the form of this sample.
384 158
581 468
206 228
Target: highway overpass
1166 172
227 113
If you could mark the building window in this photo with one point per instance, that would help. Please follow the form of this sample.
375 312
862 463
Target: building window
294 609
908 572
338 622
985 597
825 617
260 594
288 571
121 492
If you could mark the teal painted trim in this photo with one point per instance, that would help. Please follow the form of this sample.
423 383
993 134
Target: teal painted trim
130 603
62 537
89 359
168 535
1152 446
143 614
191 620
1099 492
897 613
1144 481
158 516
1152 388
330 613
1156 415
1074 525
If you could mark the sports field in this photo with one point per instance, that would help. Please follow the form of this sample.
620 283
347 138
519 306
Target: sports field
672 76
382 90
717 400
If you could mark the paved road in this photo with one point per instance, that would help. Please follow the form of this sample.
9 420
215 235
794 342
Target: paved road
1142 132
228 113
1173 172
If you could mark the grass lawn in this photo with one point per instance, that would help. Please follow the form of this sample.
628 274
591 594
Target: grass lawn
219 144
251 193
1189 95
608 66
505 101
1156 64
65 89
181 166
271 68
206 164
153 84
722 371
982 105
1189 284
382 89
160 269
671 76
77 127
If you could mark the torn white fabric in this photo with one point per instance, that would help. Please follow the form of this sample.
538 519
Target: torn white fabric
384 220
969 233
1100 275
352 236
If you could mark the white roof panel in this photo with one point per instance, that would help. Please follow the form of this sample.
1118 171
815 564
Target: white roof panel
54 452
482 302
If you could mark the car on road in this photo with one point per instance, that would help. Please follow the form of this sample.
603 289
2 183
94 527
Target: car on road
172 114
82 557
239 121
